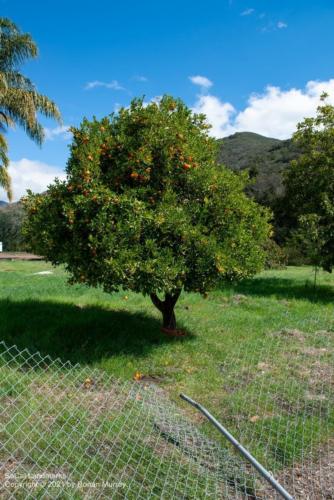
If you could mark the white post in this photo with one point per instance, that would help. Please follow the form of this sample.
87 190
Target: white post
0 246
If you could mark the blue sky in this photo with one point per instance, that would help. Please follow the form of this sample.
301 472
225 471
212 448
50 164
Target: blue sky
263 64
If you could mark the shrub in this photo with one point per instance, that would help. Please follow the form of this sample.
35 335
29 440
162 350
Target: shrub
276 257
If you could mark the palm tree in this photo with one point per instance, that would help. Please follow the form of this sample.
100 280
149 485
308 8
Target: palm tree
19 100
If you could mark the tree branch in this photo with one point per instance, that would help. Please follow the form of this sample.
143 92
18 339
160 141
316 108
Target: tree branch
157 302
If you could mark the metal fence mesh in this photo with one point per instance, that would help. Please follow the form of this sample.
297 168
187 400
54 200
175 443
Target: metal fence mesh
281 407
72 432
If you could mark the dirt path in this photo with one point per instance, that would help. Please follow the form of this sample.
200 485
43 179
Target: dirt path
19 256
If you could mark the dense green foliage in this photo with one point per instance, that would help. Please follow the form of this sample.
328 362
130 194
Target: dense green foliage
146 208
11 217
266 160
276 257
19 100
309 199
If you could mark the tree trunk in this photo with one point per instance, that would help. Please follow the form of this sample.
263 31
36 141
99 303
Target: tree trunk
166 307
169 319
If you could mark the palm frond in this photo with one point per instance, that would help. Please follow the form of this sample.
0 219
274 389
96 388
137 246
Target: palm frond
22 106
7 24
5 180
46 107
3 146
15 47
20 103
5 119
3 82
16 80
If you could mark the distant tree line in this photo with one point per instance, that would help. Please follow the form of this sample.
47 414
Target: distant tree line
11 227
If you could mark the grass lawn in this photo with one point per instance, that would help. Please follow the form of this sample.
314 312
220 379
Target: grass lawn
121 332
257 354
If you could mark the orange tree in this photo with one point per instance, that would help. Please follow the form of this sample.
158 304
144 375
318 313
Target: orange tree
146 208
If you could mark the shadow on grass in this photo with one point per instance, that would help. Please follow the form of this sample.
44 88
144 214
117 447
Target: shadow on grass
76 334
285 288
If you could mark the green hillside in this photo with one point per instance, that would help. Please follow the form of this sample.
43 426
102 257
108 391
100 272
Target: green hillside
265 158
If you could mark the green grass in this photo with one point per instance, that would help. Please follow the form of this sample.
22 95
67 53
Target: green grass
230 361
123 335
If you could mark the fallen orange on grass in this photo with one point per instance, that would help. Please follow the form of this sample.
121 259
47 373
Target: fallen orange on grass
186 166
255 418
137 376
88 383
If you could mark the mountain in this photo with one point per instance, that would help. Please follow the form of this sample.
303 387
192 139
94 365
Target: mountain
3 203
264 157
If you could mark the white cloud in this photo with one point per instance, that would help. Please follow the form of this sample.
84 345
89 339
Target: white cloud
30 174
315 88
61 131
219 114
140 78
281 25
156 99
274 113
114 85
202 81
247 12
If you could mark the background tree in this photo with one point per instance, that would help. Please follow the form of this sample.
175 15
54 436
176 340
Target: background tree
19 100
146 208
11 216
309 182
308 238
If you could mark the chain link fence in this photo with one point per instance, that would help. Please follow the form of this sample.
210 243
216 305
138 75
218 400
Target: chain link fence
68 431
